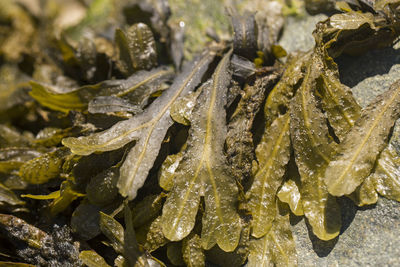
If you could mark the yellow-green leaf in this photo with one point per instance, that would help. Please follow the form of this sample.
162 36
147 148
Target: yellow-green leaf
356 155
91 259
139 160
15 264
148 128
365 194
168 169
44 168
387 173
183 106
67 195
113 230
290 193
9 197
351 20
355 33
56 100
276 248
278 99
236 257
150 235
337 100
273 154
311 142
52 195
278 51
137 88
204 171
193 253
11 159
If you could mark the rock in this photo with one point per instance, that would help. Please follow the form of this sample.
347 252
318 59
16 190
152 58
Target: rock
371 74
369 235
369 238
297 34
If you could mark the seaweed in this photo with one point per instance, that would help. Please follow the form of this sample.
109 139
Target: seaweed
140 135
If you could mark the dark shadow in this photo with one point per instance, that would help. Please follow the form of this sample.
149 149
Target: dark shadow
294 219
354 69
368 207
321 247
348 211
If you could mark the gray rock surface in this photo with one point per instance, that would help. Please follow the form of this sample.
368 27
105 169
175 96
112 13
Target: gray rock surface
371 74
297 35
370 235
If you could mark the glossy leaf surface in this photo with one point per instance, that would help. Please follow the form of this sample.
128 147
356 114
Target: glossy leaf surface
52 195
204 171
279 98
149 128
386 176
168 169
351 20
44 168
113 230
11 159
290 193
276 248
92 259
54 99
182 109
180 163
150 235
356 33
193 253
136 48
66 196
14 264
109 104
357 153
337 100
273 154
138 88
309 135
366 193
9 197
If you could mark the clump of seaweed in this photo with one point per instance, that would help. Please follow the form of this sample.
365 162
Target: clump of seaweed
122 145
